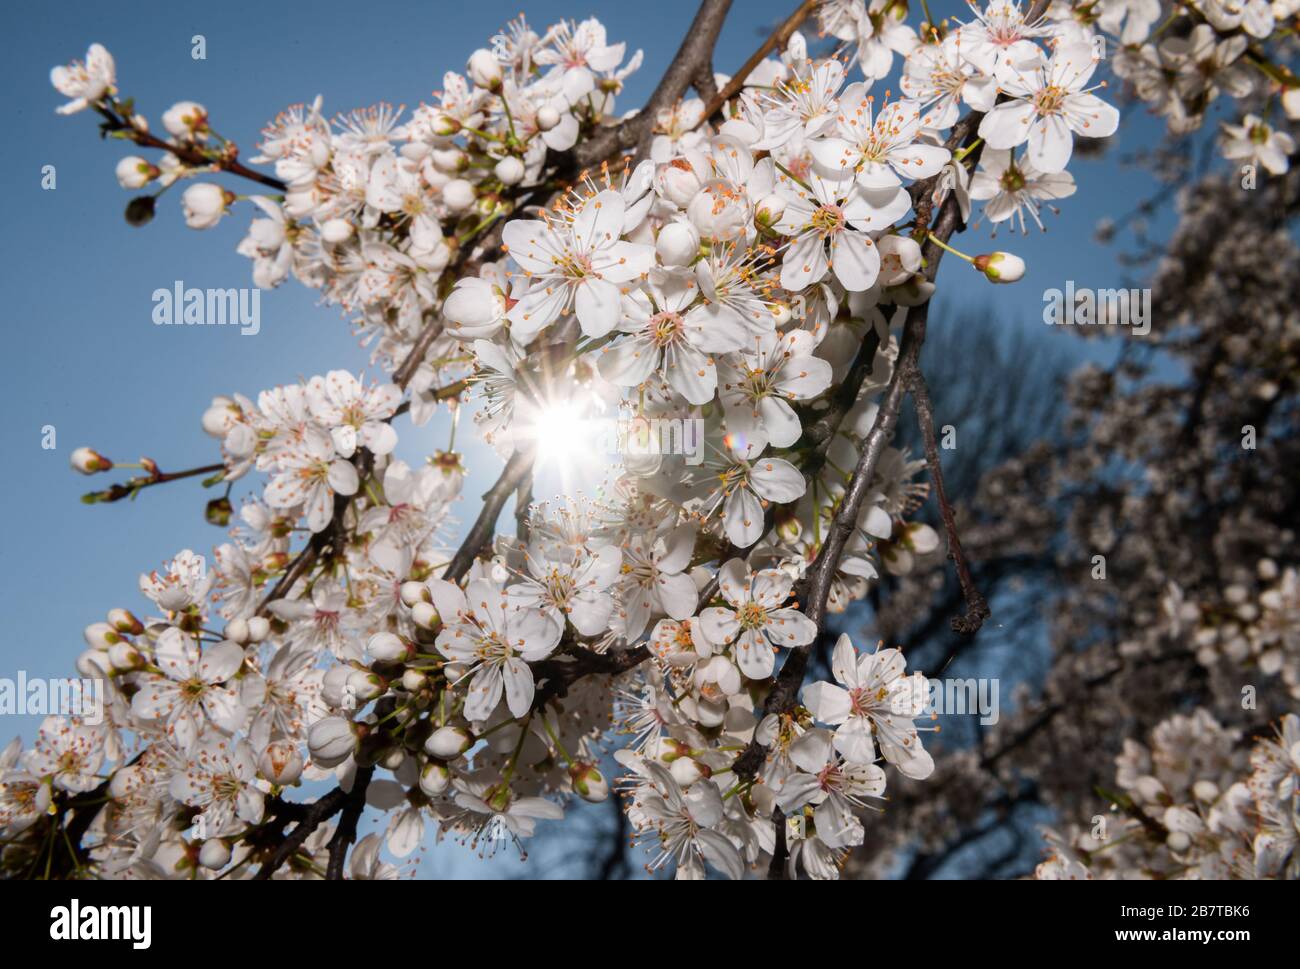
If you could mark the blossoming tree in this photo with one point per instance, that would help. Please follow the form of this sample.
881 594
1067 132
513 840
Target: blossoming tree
759 257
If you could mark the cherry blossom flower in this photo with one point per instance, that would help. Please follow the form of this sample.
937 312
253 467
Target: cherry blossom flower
185 585
190 688
574 264
758 623
655 580
1047 105
684 823
1010 188
941 80
757 385
667 337
878 153
311 475
68 753
219 779
802 106
1255 142
874 698
356 417
834 214
495 640
576 587
742 487
86 82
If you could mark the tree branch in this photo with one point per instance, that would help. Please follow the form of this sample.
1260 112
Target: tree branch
480 535
977 608
346 832
778 39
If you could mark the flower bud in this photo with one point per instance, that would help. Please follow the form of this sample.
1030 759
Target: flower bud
218 511
366 686
204 204
413 681
281 763
449 161
259 627
1206 791
187 120
444 125
678 244
336 230
237 631
1150 790
100 635
770 210
548 116
484 69
588 783
219 417
88 461
1291 103
677 182
94 664
124 656
215 854
387 648
434 779
448 742
458 195
125 622
334 685
1000 267
332 741
414 592
510 170
139 211
124 782
687 770
134 172
424 615
393 759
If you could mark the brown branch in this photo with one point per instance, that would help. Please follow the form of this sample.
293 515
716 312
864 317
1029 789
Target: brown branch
695 52
480 535
346 832
977 608
817 584
126 489
778 39
558 673
191 155
315 815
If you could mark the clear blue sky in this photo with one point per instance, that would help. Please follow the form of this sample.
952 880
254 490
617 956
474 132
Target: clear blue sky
81 351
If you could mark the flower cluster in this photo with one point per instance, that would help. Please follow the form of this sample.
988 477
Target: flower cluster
752 272
1194 805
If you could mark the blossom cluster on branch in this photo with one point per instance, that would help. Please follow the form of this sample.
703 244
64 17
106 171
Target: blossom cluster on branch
762 263
1196 803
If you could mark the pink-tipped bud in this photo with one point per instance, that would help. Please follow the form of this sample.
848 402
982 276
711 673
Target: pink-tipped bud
88 461
588 782
1000 267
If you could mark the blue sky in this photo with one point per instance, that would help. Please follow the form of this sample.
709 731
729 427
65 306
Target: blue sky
82 353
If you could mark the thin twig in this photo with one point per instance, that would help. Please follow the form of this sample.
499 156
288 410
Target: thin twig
778 39
977 608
